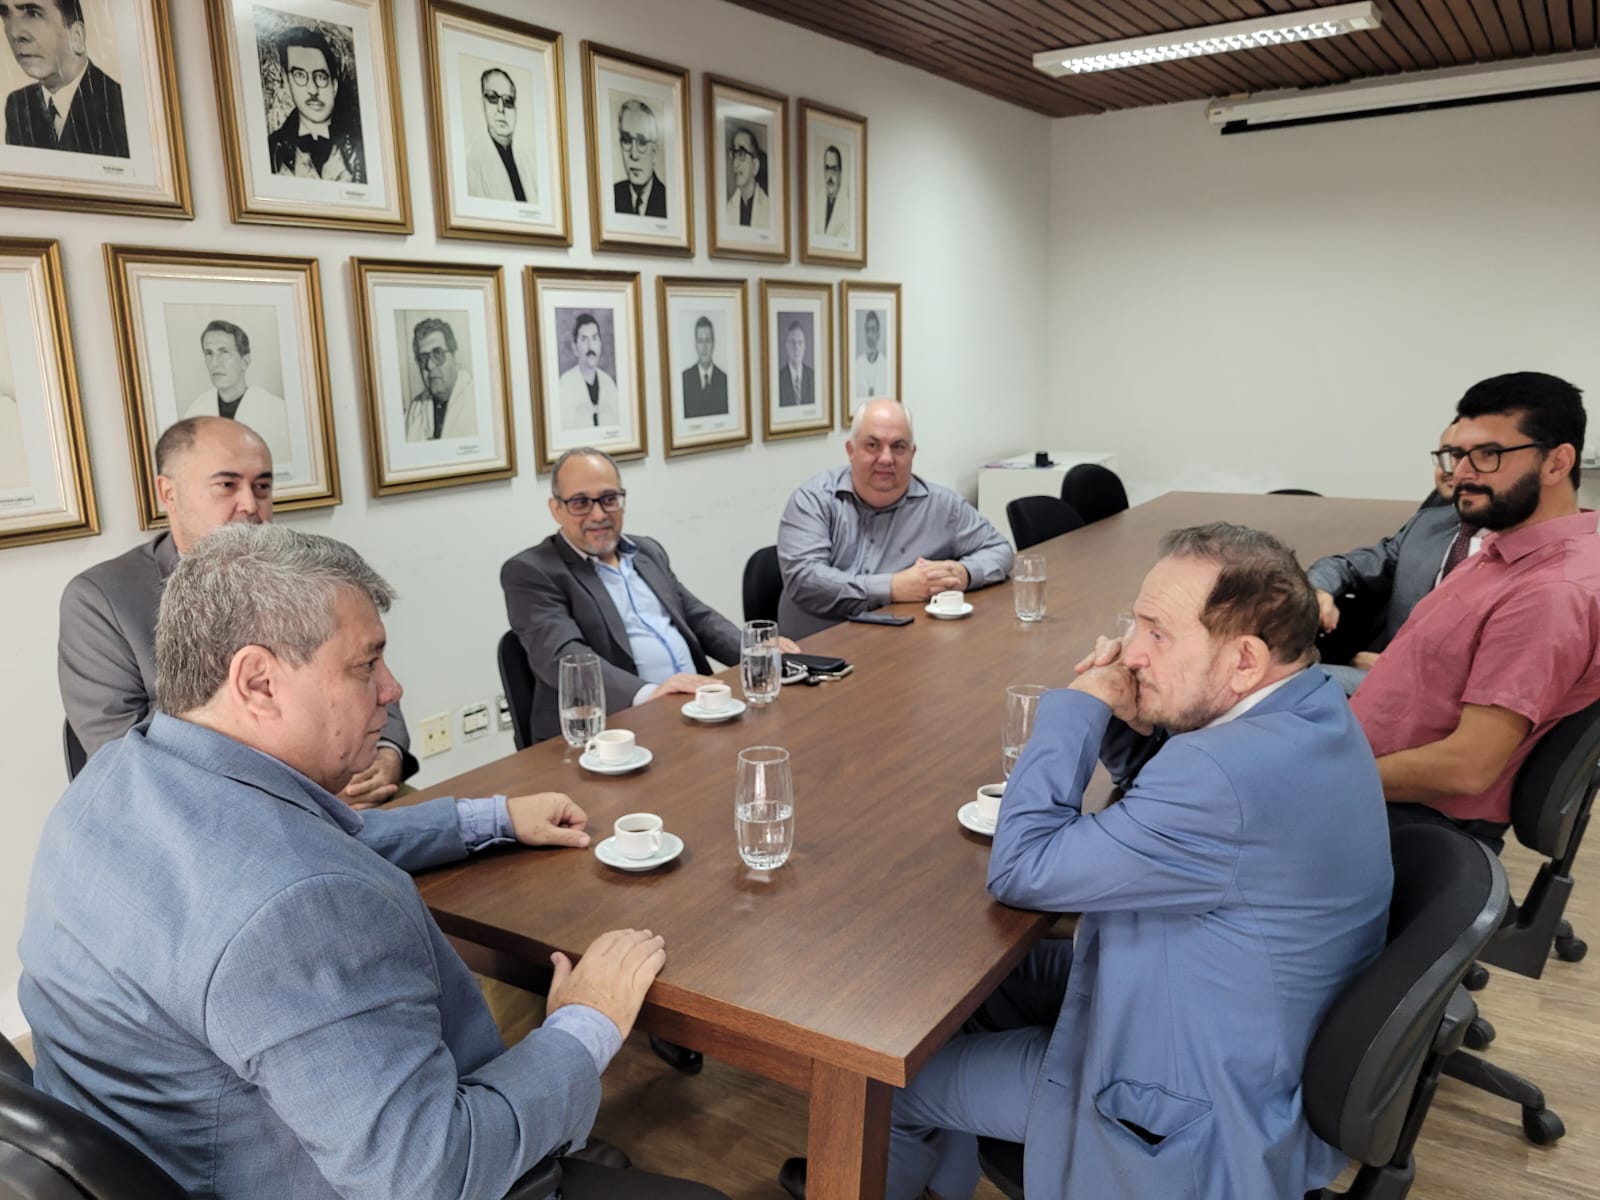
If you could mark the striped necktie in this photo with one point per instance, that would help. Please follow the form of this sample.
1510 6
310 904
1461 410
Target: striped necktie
1459 549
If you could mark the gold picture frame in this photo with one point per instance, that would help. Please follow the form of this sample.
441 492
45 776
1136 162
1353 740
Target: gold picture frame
120 148
430 328
636 112
193 324
499 174
705 404
747 151
595 319
869 327
836 235
353 178
788 305
46 491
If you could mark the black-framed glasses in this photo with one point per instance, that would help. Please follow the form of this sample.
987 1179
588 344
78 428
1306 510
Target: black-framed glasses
500 100
579 506
437 357
1485 459
740 152
629 141
301 77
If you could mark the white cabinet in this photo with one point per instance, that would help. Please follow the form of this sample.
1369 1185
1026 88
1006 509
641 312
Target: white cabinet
1008 478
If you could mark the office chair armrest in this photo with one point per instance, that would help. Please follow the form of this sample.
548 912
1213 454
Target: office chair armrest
542 1181
1458 1014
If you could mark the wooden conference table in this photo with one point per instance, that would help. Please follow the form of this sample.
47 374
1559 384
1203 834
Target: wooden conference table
842 972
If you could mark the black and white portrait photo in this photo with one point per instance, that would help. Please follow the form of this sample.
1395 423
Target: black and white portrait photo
869 370
498 110
872 343
705 372
219 370
797 344
438 384
746 177
586 387
443 402
311 94
638 152
833 192
74 103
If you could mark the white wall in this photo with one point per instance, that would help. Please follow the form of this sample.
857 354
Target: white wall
1303 307
958 215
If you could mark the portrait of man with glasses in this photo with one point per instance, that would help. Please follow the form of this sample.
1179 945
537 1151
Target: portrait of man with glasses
320 138
640 192
748 205
499 163
447 406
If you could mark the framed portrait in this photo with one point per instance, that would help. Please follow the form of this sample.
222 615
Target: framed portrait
705 363
91 109
747 171
438 379
833 186
797 350
46 493
637 114
498 115
310 100
224 334
871 316
587 349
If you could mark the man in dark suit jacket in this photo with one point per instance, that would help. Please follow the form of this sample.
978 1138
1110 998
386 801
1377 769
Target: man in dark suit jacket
705 385
640 192
75 106
797 383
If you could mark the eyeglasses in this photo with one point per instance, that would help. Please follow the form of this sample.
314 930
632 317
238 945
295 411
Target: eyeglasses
435 357
580 506
631 141
500 100
1485 459
300 76
741 152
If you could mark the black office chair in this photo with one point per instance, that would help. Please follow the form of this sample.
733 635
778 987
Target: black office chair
1550 806
1374 1062
763 585
72 749
519 682
1292 492
1094 491
1036 519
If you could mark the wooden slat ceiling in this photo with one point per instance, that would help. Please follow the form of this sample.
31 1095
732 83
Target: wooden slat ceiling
989 44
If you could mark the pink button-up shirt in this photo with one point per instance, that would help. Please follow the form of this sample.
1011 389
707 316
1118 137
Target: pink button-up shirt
1516 626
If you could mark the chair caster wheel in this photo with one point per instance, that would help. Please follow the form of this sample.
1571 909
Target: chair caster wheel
1571 949
1475 978
1542 1126
1479 1034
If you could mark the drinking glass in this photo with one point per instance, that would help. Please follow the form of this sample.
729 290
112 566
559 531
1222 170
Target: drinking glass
582 698
1027 586
763 807
1022 701
761 664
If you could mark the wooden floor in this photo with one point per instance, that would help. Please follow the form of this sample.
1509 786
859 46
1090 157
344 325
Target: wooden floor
731 1129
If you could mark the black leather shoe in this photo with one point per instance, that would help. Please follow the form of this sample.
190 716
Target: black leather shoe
792 1177
678 1057
603 1154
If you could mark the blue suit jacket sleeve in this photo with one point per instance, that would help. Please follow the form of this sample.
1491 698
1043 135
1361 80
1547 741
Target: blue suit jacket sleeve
346 1044
1170 845
416 836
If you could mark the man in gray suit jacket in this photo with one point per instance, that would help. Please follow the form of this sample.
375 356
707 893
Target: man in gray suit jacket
586 587
215 968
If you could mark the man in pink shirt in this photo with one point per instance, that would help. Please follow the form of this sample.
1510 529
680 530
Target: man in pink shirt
1507 644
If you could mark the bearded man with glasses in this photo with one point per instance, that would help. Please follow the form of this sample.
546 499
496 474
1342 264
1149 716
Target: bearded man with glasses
1505 645
587 587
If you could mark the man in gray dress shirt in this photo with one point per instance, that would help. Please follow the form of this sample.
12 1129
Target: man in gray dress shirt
871 533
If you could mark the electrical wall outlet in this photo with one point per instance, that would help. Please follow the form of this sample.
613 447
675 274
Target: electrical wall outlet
502 709
475 721
435 731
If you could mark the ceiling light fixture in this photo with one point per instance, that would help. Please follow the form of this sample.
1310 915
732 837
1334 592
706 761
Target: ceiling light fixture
1280 29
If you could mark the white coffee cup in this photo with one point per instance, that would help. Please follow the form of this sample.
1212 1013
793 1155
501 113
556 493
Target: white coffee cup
989 801
713 697
949 601
638 835
612 745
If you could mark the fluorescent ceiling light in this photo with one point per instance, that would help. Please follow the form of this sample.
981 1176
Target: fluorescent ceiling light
1280 29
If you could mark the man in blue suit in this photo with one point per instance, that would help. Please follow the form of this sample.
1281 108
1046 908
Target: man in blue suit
1227 898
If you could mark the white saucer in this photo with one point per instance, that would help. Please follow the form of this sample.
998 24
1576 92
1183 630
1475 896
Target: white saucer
694 712
589 761
671 847
969 818
947 614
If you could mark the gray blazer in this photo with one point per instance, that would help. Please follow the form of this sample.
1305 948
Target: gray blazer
1396 573
557 605
106 655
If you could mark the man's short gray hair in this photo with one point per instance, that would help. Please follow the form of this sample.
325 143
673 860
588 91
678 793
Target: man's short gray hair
578 452
251 585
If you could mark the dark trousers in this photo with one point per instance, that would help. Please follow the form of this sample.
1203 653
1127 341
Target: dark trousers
589 1181
1490 833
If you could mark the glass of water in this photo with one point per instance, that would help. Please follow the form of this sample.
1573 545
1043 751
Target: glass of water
763 807
1022 701
761 666
582 698
1027 586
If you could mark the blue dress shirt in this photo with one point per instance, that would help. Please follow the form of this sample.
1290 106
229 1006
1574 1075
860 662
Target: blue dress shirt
659 651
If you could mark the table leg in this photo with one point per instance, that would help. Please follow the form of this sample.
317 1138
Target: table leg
847 1143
